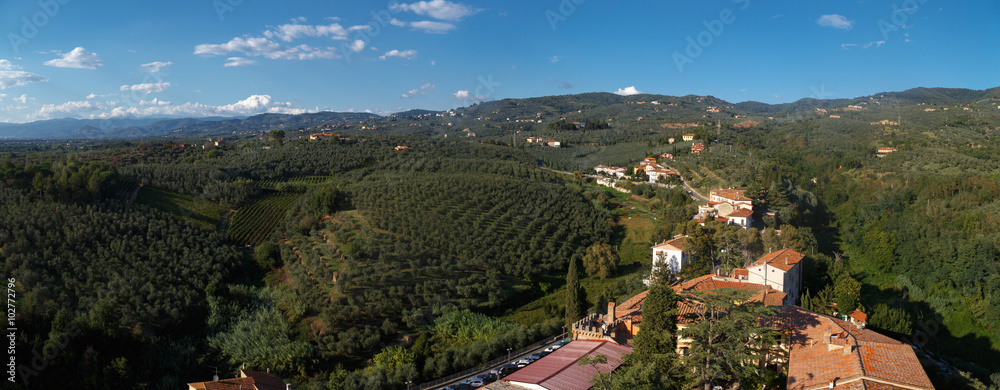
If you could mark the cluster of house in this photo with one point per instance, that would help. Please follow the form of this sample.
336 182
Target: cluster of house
654 170
325 137
818 351
728 206
539 140
611 171
882 152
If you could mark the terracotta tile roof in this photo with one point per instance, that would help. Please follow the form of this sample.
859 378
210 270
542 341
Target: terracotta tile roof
741 213
762 293
631 306
745 273
784 259
859 316
824 349
679 244
249 380
730 193
230 384
265 381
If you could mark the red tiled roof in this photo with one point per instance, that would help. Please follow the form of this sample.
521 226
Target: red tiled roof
784 259
824 348
559 370
741 213
730 193
249 380
859 316
679 243
762 293
741 272
631 306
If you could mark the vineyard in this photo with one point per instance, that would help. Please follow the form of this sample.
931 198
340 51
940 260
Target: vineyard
203 213
296 184
517 225
121 190
254 223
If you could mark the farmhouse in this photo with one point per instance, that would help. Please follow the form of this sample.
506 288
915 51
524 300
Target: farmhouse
671 254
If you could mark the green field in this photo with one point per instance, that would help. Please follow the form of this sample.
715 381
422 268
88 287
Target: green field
254 223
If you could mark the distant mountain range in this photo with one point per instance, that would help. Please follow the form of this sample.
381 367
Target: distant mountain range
546 106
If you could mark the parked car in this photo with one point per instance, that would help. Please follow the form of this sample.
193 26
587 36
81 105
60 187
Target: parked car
463 386
522 363
475 382
488 378
505 370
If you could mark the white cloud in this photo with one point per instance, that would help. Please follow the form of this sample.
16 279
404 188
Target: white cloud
554 59
397 22
422 91
92 95
157 66
358 45
239 61
253 105
154 102
438 9
877 44
776 96
835 21
79 58
23 99
289 32
432 27
72 109
405 54
158 86
12 76
466 96
259 46
627 91
360 27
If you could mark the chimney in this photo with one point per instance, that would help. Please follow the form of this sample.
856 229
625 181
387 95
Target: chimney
847 349
288 386
269 370
610 319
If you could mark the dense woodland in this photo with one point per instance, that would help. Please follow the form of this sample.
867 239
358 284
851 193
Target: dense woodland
345 263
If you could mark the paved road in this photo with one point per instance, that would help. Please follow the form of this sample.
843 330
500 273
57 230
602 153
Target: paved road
513 358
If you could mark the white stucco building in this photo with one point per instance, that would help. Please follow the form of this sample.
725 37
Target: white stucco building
781 270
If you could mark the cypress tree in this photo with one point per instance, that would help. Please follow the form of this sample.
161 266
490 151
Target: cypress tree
575 295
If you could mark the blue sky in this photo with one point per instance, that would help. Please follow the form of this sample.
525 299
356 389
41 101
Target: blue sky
69 58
